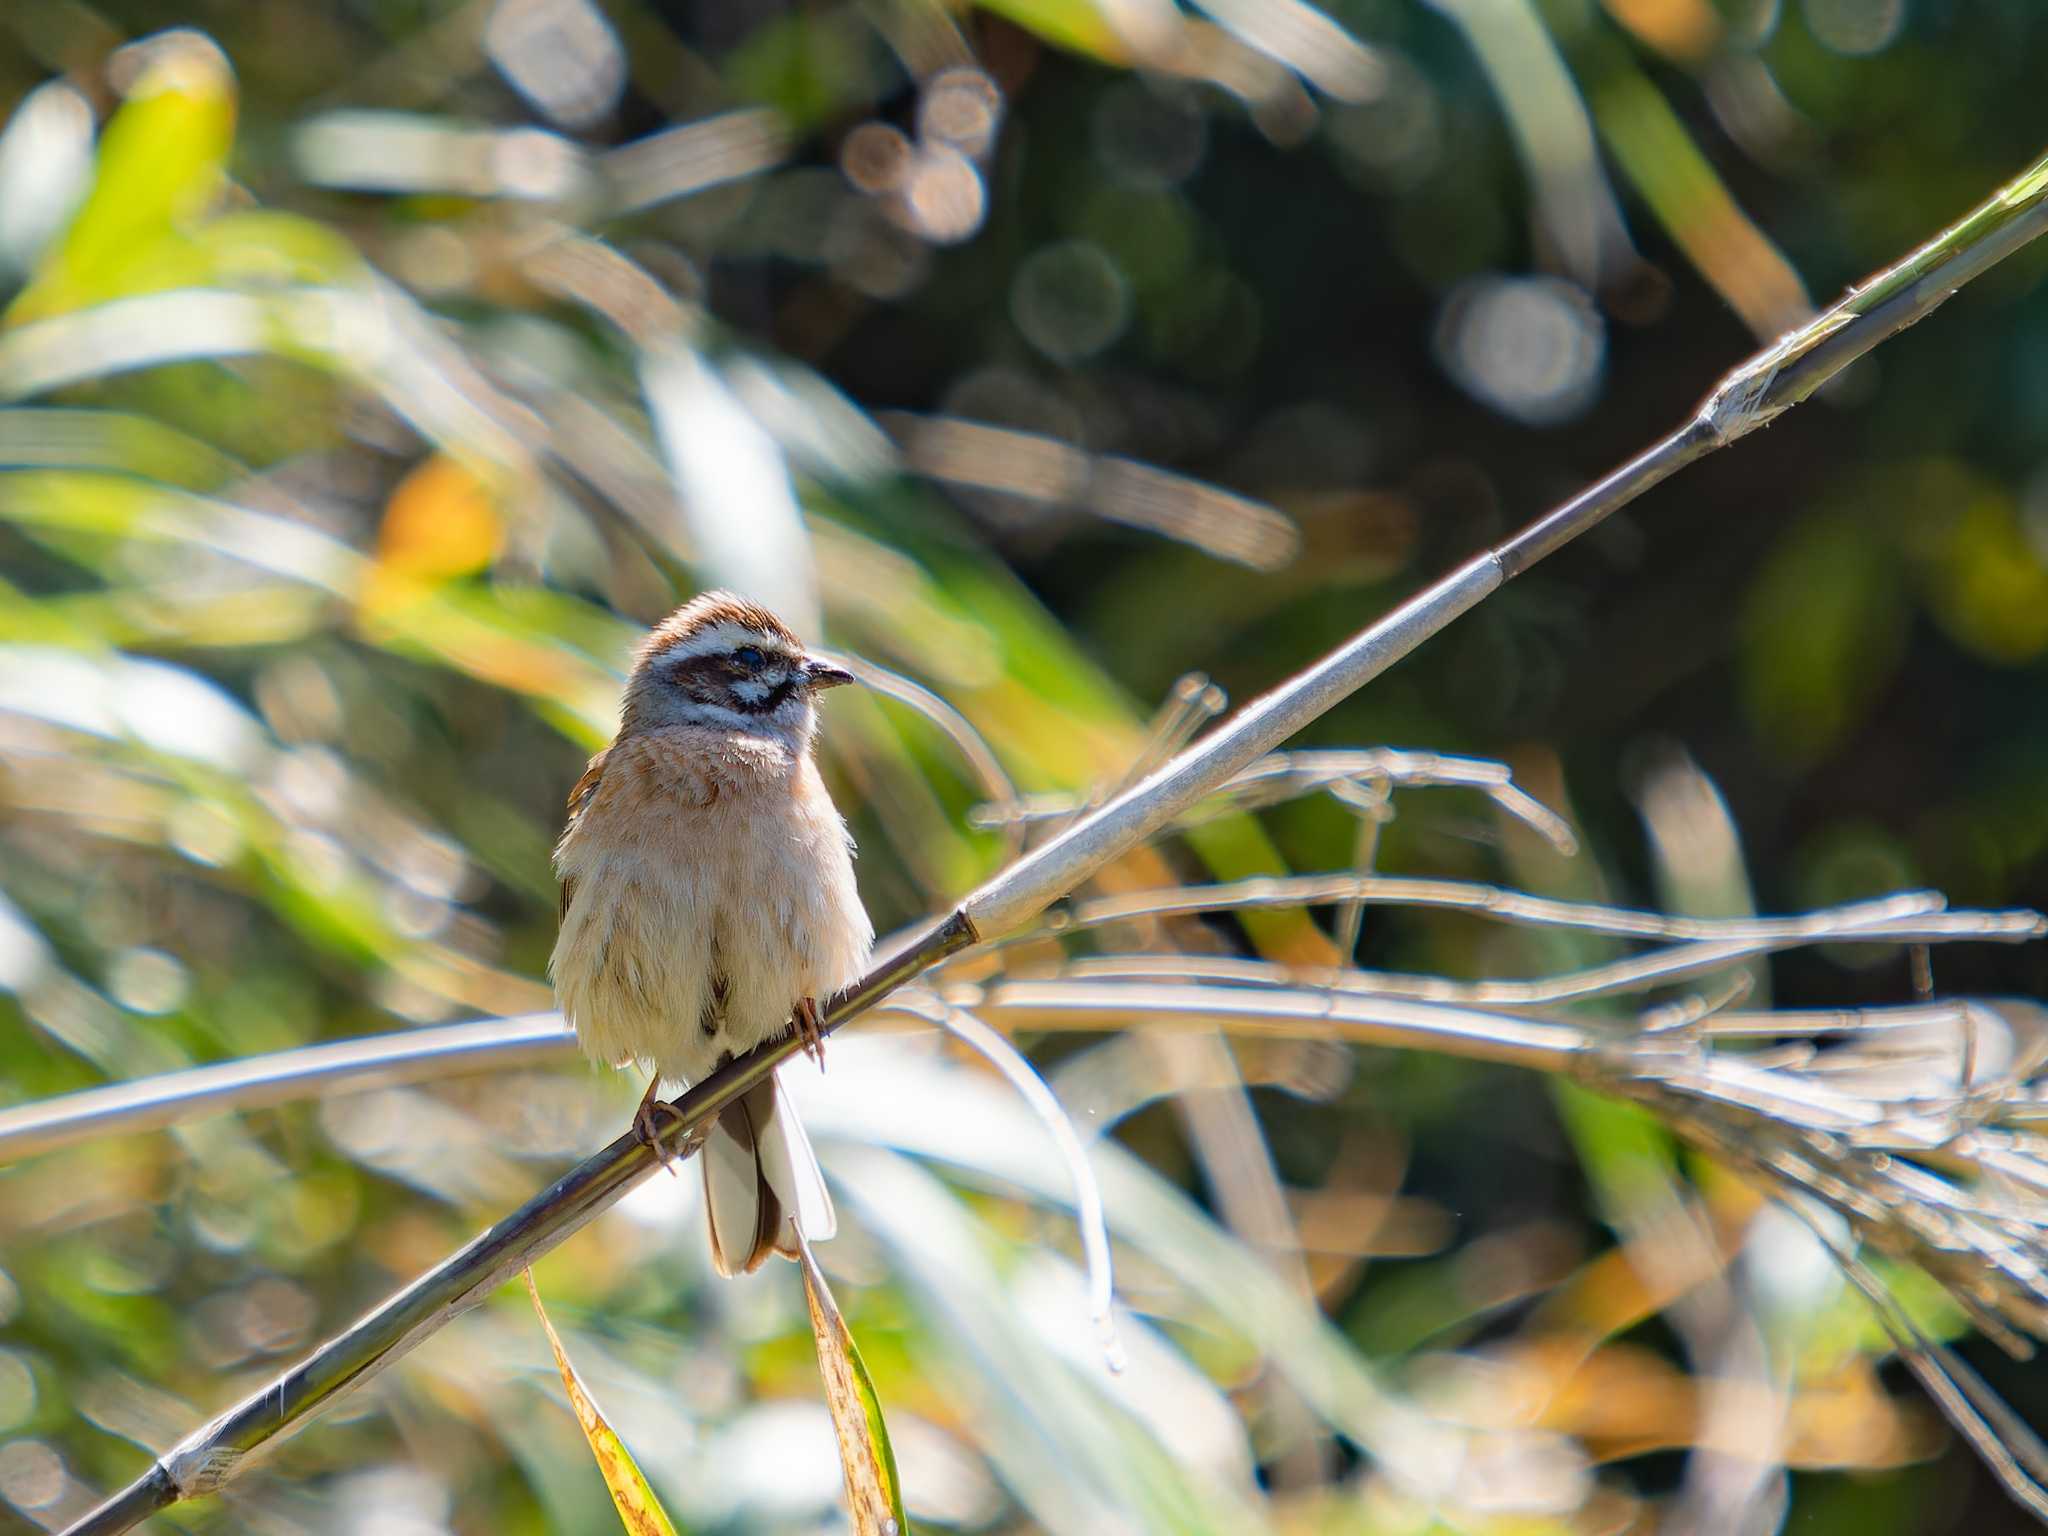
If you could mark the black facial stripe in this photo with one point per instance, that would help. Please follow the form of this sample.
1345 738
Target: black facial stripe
770 702
715 680
698 669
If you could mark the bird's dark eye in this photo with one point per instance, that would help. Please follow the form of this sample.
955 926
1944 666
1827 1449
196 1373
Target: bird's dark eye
750 656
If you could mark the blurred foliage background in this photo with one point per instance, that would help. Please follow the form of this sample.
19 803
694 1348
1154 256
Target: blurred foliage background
373 368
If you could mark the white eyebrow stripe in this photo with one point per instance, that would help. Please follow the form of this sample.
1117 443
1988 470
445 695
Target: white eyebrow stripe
725 635
699 711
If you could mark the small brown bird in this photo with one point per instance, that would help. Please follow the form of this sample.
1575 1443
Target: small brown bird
708 898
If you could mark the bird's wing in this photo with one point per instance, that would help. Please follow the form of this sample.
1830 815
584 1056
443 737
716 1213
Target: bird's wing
579 797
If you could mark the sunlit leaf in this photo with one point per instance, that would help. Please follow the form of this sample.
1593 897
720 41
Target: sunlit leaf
1656 152
441 522
640 1512
736 494
160 166
1079 1446
110 440
1078 25
260 245
1630 1156
1553 133
865 1457
468 630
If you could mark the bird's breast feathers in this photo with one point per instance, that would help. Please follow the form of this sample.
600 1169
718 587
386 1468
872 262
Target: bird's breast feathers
709 883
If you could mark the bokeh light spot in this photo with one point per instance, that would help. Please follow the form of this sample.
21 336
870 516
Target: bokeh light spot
1855 27
561 55
31 1475
961 109
1854 861
875 157
1008 398
1070 300
434 259
530 163
1149 136
17 1389
1530 347
943 199
203 832
1395 139
45 163
148 981
1985 572
2034 513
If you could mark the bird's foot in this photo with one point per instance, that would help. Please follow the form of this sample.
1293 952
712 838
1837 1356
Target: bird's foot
808 1030
647 1124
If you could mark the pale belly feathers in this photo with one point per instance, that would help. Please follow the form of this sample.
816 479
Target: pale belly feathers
711 892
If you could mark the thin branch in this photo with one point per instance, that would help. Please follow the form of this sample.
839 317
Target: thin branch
1360 778
1638 973
2009 1447
1755 393
1365 847
1488 901
942 717
1191 704
281 1077
1039 1097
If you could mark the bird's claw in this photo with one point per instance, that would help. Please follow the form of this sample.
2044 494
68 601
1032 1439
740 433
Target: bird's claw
647 1127
809 1031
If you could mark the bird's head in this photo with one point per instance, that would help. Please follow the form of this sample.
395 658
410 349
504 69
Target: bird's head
723 662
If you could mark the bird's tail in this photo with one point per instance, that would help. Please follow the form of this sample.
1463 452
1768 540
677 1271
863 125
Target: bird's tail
759 1171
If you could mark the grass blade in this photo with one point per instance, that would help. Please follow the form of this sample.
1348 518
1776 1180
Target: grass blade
865 1456
640 1512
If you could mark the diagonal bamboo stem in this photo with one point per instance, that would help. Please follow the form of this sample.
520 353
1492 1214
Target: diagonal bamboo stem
1764 387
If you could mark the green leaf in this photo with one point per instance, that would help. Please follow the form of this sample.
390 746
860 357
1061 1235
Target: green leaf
809 67
1076 25
1630 1156
865 1456
1822 632
640 1512
1657 153
160 166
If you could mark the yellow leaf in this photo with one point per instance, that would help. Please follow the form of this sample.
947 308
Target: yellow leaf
1079 26
441 522
639 1510
1986 580
1656 151
864 1452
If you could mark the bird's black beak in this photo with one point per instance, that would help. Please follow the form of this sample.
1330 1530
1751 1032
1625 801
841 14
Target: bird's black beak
823 674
